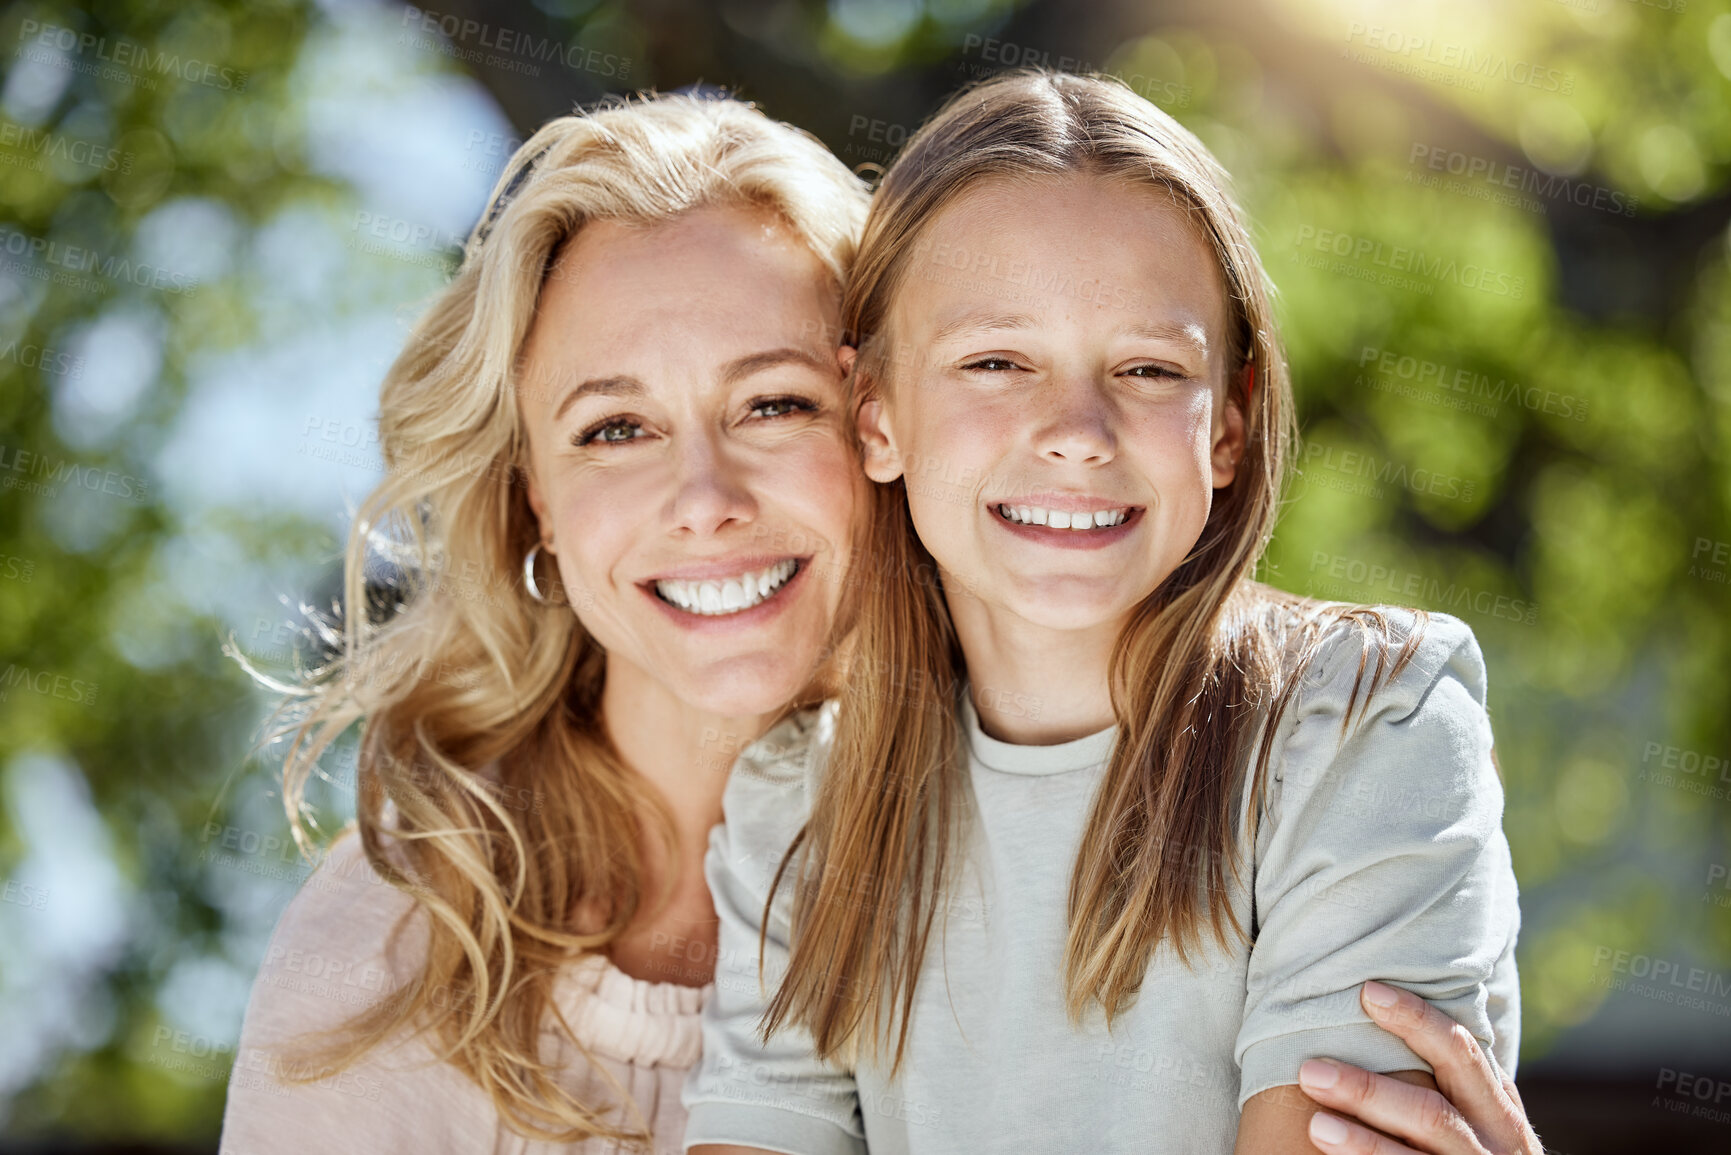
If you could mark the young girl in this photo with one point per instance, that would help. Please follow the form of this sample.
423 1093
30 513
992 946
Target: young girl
1103 836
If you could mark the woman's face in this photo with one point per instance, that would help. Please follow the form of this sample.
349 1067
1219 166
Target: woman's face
691 463
1057 397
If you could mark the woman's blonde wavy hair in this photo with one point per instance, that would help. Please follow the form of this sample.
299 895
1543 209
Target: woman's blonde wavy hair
471 697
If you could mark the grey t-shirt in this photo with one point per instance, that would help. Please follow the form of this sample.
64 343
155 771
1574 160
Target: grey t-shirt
1382 857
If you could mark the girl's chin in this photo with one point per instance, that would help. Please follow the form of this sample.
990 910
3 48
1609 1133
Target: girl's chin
1068 603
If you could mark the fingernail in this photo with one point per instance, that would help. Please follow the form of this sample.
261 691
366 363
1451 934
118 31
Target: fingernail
1379 995
1319 1073
1327 1129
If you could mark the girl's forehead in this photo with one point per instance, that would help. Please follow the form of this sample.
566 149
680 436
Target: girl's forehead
1034 244
1065 206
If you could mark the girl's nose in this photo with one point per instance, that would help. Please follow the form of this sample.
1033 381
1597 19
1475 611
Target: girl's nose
1076 426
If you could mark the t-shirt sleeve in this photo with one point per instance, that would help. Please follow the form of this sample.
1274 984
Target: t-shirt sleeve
778 1095
331 955
1381 857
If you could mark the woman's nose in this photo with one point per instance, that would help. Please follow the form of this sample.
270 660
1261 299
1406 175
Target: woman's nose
711 491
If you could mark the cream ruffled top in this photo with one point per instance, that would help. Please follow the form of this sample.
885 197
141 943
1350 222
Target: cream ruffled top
330 956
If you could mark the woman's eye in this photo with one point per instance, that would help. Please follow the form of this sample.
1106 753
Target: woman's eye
1154 372
991 364
781 406
613 431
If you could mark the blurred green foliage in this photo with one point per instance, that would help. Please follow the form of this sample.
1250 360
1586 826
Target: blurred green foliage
1516 407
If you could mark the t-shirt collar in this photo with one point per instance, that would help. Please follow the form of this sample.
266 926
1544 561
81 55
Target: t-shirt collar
1084 753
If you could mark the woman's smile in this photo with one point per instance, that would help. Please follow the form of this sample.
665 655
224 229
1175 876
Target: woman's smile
728 592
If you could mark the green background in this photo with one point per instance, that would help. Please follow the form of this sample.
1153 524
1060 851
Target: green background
1498 231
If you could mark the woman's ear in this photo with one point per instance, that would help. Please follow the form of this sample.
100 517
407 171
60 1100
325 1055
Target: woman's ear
538 504
1228 434
883 461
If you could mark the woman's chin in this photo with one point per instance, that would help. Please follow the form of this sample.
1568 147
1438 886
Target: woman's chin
741 693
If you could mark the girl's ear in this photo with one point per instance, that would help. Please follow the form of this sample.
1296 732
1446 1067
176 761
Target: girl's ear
883 461
1228 434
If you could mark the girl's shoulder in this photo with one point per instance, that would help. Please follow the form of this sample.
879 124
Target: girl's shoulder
1384 658
792 751
770 790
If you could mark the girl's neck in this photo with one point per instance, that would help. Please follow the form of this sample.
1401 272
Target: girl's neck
1032 685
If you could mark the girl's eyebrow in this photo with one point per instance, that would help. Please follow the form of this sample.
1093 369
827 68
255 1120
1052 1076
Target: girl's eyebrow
1191 334
981 321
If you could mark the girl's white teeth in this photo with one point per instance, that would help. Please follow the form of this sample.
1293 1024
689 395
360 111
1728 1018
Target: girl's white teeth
714 598
1060 519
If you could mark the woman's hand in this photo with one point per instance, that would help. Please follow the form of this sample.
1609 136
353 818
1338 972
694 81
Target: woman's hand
1473 1112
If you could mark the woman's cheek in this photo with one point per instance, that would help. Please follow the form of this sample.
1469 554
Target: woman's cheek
824 473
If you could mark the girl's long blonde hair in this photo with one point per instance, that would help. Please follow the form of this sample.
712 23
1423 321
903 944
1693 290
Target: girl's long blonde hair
487 786
1203 661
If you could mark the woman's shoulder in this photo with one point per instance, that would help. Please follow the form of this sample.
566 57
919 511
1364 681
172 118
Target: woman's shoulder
342 942
335 952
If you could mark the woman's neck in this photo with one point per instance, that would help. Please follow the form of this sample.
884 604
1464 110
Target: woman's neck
685 754
1032 685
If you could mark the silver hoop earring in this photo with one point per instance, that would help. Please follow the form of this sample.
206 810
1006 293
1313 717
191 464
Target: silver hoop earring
529 577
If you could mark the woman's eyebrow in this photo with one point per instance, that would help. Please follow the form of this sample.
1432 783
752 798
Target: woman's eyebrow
743 367
734 371
605 386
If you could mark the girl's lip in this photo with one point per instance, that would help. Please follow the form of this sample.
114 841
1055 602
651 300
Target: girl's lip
1097 538
1063 502
757 615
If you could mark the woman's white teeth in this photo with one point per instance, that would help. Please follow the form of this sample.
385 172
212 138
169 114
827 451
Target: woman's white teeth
730 596
1062 519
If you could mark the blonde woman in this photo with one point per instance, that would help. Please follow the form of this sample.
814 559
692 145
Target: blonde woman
621 481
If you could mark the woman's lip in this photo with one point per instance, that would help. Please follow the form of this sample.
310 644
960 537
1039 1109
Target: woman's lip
722 568
743 619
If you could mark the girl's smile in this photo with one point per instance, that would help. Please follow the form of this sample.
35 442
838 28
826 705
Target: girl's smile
1067 522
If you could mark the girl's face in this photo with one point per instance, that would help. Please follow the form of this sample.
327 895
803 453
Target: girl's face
690 462
1057 396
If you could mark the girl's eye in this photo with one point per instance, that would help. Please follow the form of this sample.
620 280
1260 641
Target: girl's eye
768 407
612 431
1154 372
991 364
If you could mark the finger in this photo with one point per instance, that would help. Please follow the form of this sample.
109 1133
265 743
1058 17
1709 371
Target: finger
1463 1073
1338 1136
1417 1114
